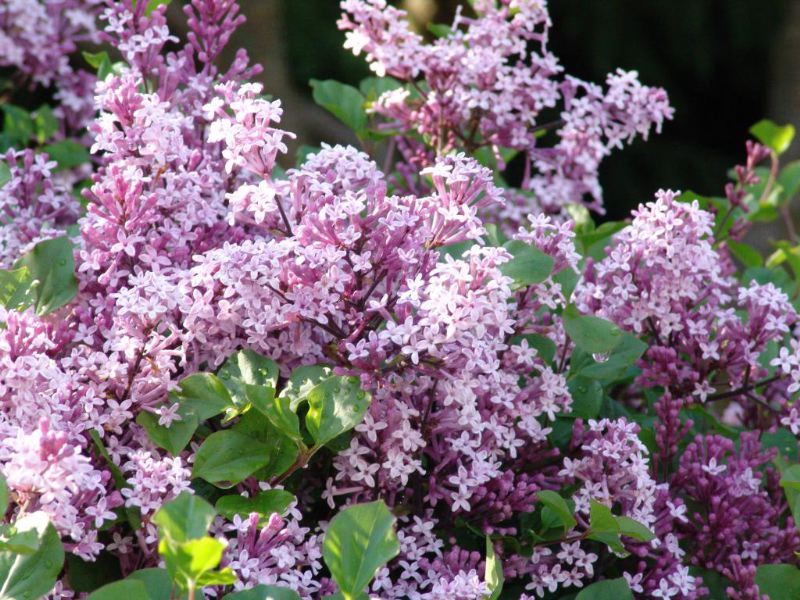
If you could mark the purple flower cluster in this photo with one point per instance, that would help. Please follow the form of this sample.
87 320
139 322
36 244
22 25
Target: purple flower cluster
494 418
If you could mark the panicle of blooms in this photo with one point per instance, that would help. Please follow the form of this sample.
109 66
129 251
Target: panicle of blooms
736 508
663 278
490 81
37 38
36 203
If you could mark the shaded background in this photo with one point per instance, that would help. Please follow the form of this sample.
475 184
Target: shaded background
725 63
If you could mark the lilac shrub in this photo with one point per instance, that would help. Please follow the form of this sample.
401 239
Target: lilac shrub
383 372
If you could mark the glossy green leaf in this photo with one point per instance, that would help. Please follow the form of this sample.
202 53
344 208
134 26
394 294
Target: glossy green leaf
634 529
129 589
358 542
608 589
528 265
187 517
26 576
174 438
591 334
264 592
278 409
344 101
301 381
16 288
204 395
67 153
227 457
337 404
493 574
587 397
604 527
559 507
614 365
776 137
247 368
52 267
264 503
779 582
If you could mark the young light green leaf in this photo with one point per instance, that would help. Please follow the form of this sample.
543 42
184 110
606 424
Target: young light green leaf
603 527
592 334
779 582
528 265
52 267
345 102
264 592
187 517
559 507
336 405
608 589
16 288
264 503
227 457
24 576
359 541
776 137
493 574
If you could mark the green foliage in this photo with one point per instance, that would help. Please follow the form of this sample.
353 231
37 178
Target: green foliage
264 592
191 557
32 573
494 572
591 334
344 101
359 541
606 528
67 153
264 503
336 405
776 137
559 507
228 457
608 589
245 370
779 582
43 278
130 589
528 265
3 495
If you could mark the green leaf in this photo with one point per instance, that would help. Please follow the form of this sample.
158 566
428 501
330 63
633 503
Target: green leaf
130 589
3 495
358 542
264 592
120 482
5 173
790 482
281 451
227 457
494 572
604 527
345 102
587 397
45 123
439 30
67 153
264 503
52 267
592 334
784 441
616 364
174 438
788 179
204 395
608 589
24 576
16 289
776 137
154 4
100 62
745 254
545 347
559 507
373 88
247 368
157 582
277 409
17 126
18 542
187 517
301 381
197 557
336 405
779 582
528 265
634 529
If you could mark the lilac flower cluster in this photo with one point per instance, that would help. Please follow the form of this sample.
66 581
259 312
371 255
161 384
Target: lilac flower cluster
491 82
503 426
